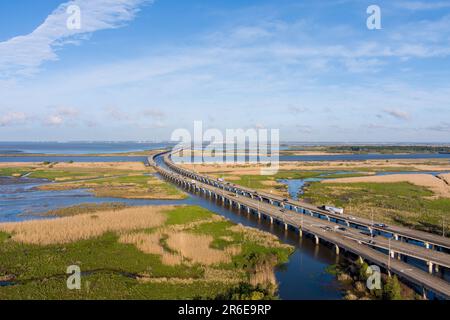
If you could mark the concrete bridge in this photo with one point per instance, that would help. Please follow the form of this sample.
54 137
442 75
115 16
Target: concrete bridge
420 238
383 252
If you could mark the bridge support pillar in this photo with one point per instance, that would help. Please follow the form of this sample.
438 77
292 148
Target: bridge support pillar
436 268
271 220
424 293
427 245
336 247
347 223
430 267
248 210
360 260
286 226
316 238
392 253
395 236
300 232
328 218
271 201
259 215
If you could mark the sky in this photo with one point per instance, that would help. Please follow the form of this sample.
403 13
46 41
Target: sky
139 69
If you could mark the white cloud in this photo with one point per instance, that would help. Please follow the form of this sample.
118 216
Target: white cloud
54 120
154 113
398 114
13 118
442 127
23 55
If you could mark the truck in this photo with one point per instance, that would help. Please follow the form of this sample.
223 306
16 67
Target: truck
333 209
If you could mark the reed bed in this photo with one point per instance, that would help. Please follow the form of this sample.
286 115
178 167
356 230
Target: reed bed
85 226
151 244
197 248
262 238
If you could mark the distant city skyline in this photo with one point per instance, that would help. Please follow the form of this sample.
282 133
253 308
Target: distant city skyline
136 70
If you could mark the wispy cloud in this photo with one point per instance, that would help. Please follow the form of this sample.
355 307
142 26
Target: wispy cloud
398 114
13 118
61 115
442 127
423 5
23 55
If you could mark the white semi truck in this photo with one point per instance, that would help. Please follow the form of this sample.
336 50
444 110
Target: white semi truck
333 209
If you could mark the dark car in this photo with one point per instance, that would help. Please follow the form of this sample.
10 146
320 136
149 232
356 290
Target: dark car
380 225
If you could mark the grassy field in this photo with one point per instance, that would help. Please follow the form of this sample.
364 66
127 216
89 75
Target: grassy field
132 186
86 208
104 181
271 184
112 269
398 203
361 149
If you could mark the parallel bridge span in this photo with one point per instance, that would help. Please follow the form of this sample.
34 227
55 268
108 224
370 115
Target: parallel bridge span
349 240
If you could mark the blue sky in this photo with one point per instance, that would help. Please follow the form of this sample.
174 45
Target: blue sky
138 69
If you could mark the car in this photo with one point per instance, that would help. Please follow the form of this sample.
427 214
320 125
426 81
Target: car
327 228
342 229
283 210
285 200
380 225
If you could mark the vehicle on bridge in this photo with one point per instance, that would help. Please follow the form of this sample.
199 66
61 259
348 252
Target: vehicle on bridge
380 225
333 209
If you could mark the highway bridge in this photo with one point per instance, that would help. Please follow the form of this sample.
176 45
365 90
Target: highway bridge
336 231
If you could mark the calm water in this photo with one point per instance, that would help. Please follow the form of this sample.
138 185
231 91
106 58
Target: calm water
20 199
74 158
118 158
374 156
303 277
77 147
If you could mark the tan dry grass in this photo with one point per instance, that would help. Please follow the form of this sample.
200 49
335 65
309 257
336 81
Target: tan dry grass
438 186
150 243
250 169
254 235
445 177
86 226
19 164
133 166
197 248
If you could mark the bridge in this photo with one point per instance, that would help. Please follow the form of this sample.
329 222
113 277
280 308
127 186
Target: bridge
340 232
